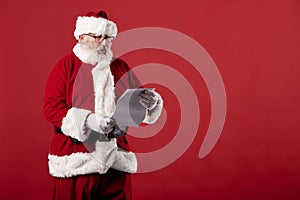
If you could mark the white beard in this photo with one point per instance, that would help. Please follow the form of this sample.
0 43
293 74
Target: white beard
100 56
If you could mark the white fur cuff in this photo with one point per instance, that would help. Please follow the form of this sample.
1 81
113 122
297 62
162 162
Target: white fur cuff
73 124
152 115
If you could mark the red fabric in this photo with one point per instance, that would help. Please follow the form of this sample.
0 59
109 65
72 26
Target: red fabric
83 91
61 95
114 185
102 14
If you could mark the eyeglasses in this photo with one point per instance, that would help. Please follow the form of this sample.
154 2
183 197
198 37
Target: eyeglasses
101 38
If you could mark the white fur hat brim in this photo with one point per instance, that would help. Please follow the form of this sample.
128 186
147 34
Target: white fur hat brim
95 25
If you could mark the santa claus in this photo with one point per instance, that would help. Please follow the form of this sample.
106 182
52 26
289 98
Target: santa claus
88 159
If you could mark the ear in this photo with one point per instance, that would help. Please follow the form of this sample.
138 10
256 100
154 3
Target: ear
81 38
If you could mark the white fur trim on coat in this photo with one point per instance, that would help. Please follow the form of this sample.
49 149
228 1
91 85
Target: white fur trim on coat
73 124
104 90
152 115
95 25
107 155
125 161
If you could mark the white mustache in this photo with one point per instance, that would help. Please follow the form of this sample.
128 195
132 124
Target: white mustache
101 48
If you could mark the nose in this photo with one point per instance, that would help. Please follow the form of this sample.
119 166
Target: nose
103 42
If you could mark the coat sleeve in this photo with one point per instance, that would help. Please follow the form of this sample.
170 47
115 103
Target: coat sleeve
56 110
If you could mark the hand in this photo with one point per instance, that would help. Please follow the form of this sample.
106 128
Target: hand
100 124
148 99
107 124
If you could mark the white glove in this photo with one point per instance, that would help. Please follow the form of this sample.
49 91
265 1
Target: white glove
100 124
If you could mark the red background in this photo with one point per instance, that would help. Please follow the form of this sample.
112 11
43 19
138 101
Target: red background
256 47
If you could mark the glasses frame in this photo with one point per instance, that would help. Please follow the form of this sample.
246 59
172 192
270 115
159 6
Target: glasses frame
100 38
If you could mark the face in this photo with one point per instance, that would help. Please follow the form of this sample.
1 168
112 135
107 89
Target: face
88 41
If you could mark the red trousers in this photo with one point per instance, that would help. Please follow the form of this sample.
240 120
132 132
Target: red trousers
114 185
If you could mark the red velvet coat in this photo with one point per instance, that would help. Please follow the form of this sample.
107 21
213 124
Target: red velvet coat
61 95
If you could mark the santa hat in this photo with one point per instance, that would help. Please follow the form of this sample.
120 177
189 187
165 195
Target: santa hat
96 23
